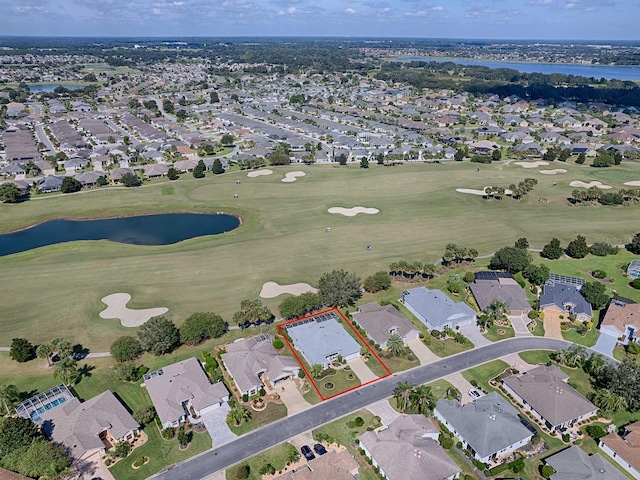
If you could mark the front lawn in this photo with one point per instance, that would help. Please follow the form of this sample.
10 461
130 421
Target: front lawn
395 363
340 382
538 330
483 373
536 357
447 346
589 339
272 412
277 456
161 453
496 332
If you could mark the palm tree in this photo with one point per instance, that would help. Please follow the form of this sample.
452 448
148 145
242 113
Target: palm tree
316 370
596 365
421 399
62 347
365 352
395 344
67 371
9 395
609 401
45 351
485 320
499 309
401 393
239 414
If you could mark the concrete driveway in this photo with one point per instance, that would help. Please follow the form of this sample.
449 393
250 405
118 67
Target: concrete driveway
292 398
458 381
422 352
216 423
94 467
472 332
606 344
552 322
383 410
363 372
519 324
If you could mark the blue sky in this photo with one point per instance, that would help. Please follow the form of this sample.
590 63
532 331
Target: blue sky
499 19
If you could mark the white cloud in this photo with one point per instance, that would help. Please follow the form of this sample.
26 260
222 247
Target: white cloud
350 11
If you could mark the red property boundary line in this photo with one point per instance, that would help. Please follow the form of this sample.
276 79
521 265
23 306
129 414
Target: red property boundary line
362 339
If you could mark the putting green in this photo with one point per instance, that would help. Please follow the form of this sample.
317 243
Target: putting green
56 290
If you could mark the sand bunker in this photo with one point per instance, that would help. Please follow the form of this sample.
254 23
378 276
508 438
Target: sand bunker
259 173
482 193
553 172
531 164
117 308
578 183
272 289
291 176
352 212
633 183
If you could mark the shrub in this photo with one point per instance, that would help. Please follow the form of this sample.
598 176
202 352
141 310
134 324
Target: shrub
139 462
168 433
635 284
469 277
602 249
144 415
262 392
125 349
245 397
599 274
547 471
595 431
122 449
436 333
474 382
267 469
566 438
445 441
127 371
301 373
243 472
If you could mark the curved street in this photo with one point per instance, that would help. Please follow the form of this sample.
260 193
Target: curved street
257 441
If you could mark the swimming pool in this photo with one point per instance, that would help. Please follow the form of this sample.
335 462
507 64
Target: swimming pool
35 415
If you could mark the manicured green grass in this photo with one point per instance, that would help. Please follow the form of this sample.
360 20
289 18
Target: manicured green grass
538 330
394 363
448 346
343 435
589 339
273 412
535 357
341 383
493 335
277 456
483 373
161 453
438 388
619 353
215 273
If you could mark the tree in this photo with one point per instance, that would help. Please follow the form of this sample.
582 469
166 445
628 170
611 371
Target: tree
634 246
552 250
214 98
62 347
459 155
364 162
339 288
536 274
342 159
15 434
609 401
217 167
202 326
522 243
67 370
43 459
144 415
70 185
159 335
238 414
485 319
377 282
183 436
316 370
9 396
625 382
496 155
172 174
401 393
227 139
602 249
578 248
395 344
581 158
125 349
45 351
252 311
299 306
595 294
101 181
199 170
422 399
9 193
126 371
21 350
549 156
131 180
511 259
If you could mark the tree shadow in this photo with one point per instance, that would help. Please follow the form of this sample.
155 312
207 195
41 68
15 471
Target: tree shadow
85 372
79 352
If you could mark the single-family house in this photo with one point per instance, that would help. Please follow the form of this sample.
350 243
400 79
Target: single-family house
88 179
182 391
409 449
185 165
573 463
380 322
563 299
529 149
254 362
488 427
85 428
633 270
545 393
484 147
154 170
436 310
13 169
322 339
117 173
622 321
490 286
50 183
625 448
332 465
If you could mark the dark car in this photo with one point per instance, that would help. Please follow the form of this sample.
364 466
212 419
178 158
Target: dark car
308 454
319 449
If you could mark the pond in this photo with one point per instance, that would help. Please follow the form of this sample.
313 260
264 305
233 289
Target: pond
160 229
50 88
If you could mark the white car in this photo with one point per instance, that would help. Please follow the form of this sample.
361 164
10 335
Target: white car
473 393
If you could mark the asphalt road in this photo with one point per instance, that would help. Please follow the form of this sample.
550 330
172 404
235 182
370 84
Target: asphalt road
282 430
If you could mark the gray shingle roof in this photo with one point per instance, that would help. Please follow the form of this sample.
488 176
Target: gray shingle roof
488 424
436 307
574 464
318 340
502 287
560 295
380 321
545 390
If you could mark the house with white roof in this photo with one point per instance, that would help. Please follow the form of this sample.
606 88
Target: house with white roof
436 310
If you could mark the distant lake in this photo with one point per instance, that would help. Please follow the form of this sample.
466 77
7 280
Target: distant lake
161 229
596 71
51 88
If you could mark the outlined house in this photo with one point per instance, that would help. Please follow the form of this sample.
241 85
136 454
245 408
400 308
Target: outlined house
182 391
490 286
545 393
436 310
322 339
380 322
564 298
254 363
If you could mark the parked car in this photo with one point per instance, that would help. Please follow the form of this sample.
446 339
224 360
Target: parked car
319 449
308 454
473 393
